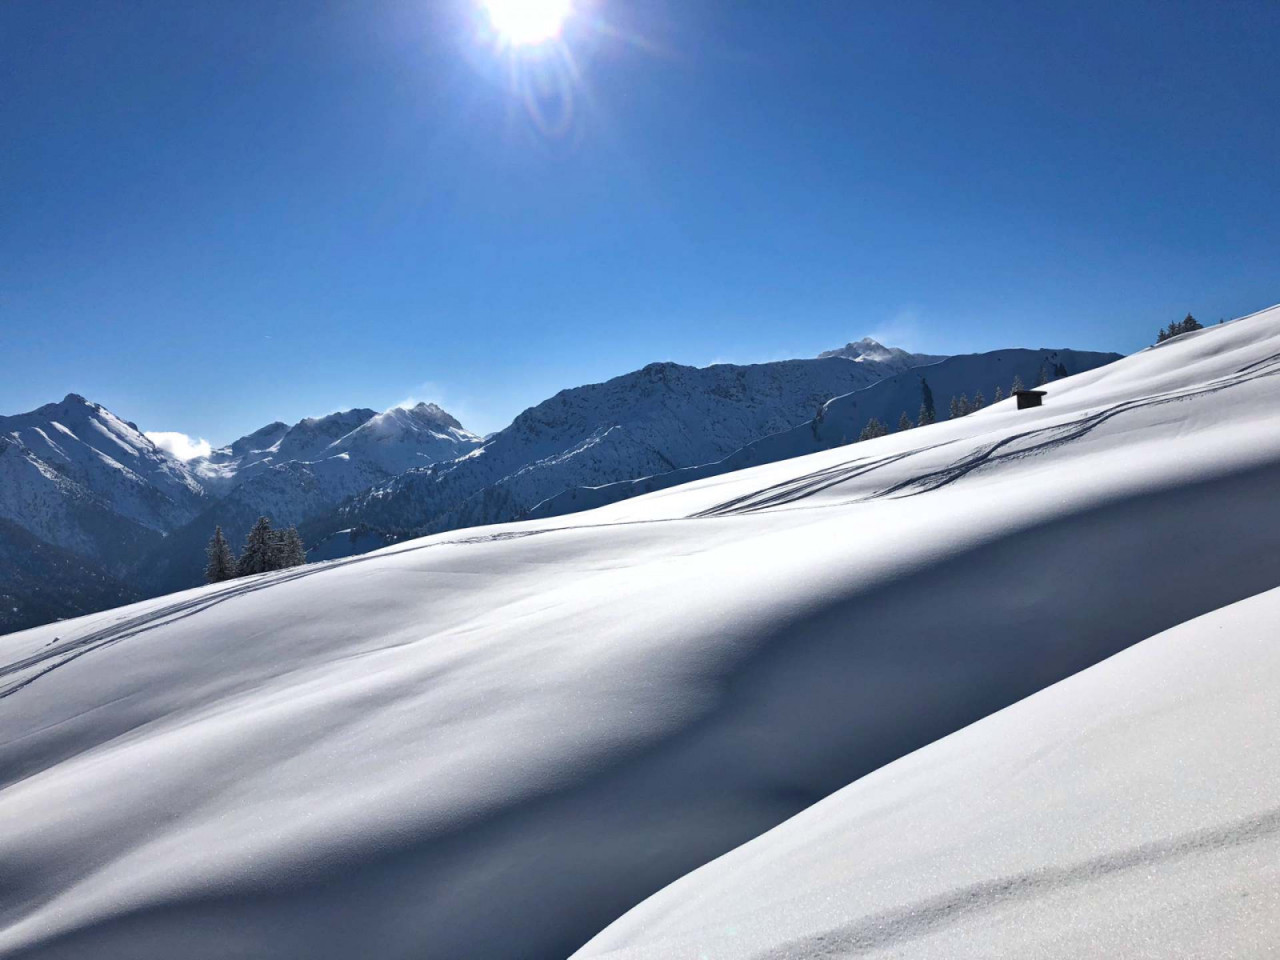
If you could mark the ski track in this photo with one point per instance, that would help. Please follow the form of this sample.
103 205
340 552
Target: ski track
129 627
925 917
801 488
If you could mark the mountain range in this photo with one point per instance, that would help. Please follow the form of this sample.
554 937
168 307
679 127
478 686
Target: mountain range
123 518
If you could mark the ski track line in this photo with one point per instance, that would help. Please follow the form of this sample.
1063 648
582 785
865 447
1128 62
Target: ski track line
926 917
800 488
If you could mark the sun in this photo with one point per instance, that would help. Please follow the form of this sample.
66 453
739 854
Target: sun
523 23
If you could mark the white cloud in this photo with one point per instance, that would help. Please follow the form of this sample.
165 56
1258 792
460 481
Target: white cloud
179 445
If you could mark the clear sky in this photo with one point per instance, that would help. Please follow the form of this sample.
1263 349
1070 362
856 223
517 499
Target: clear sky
215 213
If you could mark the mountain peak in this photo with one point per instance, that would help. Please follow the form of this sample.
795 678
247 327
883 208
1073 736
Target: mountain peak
869 350
434 413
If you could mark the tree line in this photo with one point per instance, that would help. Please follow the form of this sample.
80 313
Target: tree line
1186 325
264 549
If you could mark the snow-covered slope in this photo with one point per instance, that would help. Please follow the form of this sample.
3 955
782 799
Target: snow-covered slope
662 417
494 742
1132 810
842 419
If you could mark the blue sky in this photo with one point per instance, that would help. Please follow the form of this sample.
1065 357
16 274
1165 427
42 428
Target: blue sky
217 214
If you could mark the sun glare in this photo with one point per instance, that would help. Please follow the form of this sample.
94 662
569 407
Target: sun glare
527 22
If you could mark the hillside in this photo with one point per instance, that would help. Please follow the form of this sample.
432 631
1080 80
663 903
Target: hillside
841 420
495 742
1130 810
663 417
40 583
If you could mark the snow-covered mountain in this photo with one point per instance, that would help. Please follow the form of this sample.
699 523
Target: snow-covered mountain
294 473
77 476
393 441
390 442
496 742
842 419
890 359
662 417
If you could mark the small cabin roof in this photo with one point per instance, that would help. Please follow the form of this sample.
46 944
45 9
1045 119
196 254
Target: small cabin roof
1028 393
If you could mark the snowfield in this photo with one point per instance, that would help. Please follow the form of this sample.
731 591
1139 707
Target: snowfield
496 742
1132 810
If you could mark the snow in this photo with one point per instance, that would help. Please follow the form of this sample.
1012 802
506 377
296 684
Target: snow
495 742
1131 810
378 445
842 418
664 417
104 460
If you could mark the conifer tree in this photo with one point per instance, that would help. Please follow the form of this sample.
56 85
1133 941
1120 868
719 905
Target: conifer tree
873 429
927 413
259 551
222 562
294 553
999 395
904 422
979 401
1017 385
953 410
1186 325
1044 376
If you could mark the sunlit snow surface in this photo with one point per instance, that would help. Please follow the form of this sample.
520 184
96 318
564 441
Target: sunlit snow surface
493 742
1129 811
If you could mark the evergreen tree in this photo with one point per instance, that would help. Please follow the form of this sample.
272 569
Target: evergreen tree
979 401
259 551
904 422
1043 378
1060 371
1017 385
294 553
927 413
999 395
276 551
873 429
1186 325
222 562
953 410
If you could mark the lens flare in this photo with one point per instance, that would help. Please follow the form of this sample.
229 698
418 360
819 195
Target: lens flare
523 23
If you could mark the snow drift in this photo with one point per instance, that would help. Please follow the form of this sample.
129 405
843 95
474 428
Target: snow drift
494 742
1131 810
